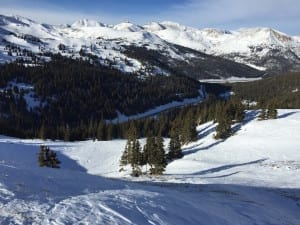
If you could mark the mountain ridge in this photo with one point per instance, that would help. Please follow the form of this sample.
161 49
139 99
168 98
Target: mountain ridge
265 50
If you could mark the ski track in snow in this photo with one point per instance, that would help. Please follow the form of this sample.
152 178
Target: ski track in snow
251 178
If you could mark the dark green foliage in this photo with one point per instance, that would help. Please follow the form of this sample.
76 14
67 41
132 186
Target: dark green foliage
132 153
227 113
272 111
268 113
174 147
157 159
263 114
101 131
47 158
188 132
283 89
223 129
79 94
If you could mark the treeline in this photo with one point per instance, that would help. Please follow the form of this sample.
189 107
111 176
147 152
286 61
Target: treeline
77 98
281 90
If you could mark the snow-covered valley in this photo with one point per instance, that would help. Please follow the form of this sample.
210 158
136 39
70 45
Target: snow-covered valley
251 178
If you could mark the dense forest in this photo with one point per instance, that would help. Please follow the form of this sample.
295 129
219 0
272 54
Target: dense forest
283 89
74 95
77 100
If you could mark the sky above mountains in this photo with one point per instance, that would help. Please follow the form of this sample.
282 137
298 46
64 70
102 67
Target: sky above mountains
283 15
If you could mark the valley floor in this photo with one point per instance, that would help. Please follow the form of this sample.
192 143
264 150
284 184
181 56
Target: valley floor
251 178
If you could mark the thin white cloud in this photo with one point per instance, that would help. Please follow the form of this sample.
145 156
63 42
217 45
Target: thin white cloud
283 14
60 16
226 14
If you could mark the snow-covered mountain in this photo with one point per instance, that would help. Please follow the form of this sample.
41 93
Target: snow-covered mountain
262 48
251 178
155 48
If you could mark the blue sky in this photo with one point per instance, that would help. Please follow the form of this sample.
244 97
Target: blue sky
283 15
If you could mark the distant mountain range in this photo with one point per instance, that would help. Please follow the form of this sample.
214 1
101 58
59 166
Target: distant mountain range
155 48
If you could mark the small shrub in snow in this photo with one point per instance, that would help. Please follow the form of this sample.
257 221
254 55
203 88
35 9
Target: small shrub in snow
47 158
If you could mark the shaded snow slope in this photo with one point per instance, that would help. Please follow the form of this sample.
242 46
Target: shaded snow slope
251 178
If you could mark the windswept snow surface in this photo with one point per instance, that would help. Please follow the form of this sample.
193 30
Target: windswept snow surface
251 178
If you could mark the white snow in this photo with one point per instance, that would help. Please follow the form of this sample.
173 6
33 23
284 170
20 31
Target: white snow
230 80
152 112
107 41
251 178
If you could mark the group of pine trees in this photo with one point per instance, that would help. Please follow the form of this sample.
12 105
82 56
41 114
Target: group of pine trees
48 158
75 97
152 154
226 114
268 111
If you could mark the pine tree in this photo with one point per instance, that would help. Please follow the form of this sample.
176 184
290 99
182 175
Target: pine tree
42 132
223 129
174 147
132 153
263 114
41 156
101 135
157 159
189 132
124 158
272 111
67 133
47 158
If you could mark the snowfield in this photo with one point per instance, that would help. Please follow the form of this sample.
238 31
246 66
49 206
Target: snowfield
251 178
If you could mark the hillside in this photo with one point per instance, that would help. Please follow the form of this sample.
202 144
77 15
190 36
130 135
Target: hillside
250 177
282 89
155 48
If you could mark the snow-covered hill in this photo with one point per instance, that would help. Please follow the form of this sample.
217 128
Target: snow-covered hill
260 48
251 178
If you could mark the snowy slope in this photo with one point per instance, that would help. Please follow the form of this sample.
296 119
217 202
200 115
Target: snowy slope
260 48
251 178
248 45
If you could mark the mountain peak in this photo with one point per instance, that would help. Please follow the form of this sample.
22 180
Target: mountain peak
128 26
14 19
86 23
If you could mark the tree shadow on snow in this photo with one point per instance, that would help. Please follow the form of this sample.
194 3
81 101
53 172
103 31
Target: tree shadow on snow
249 116
226 167
286 115
194 150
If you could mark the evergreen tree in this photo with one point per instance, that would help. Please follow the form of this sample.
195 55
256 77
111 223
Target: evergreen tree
263 114
101 135
125 158
272 111
223 129
157 159
42 132
189 132
174 147
47 158
132 153
67 133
